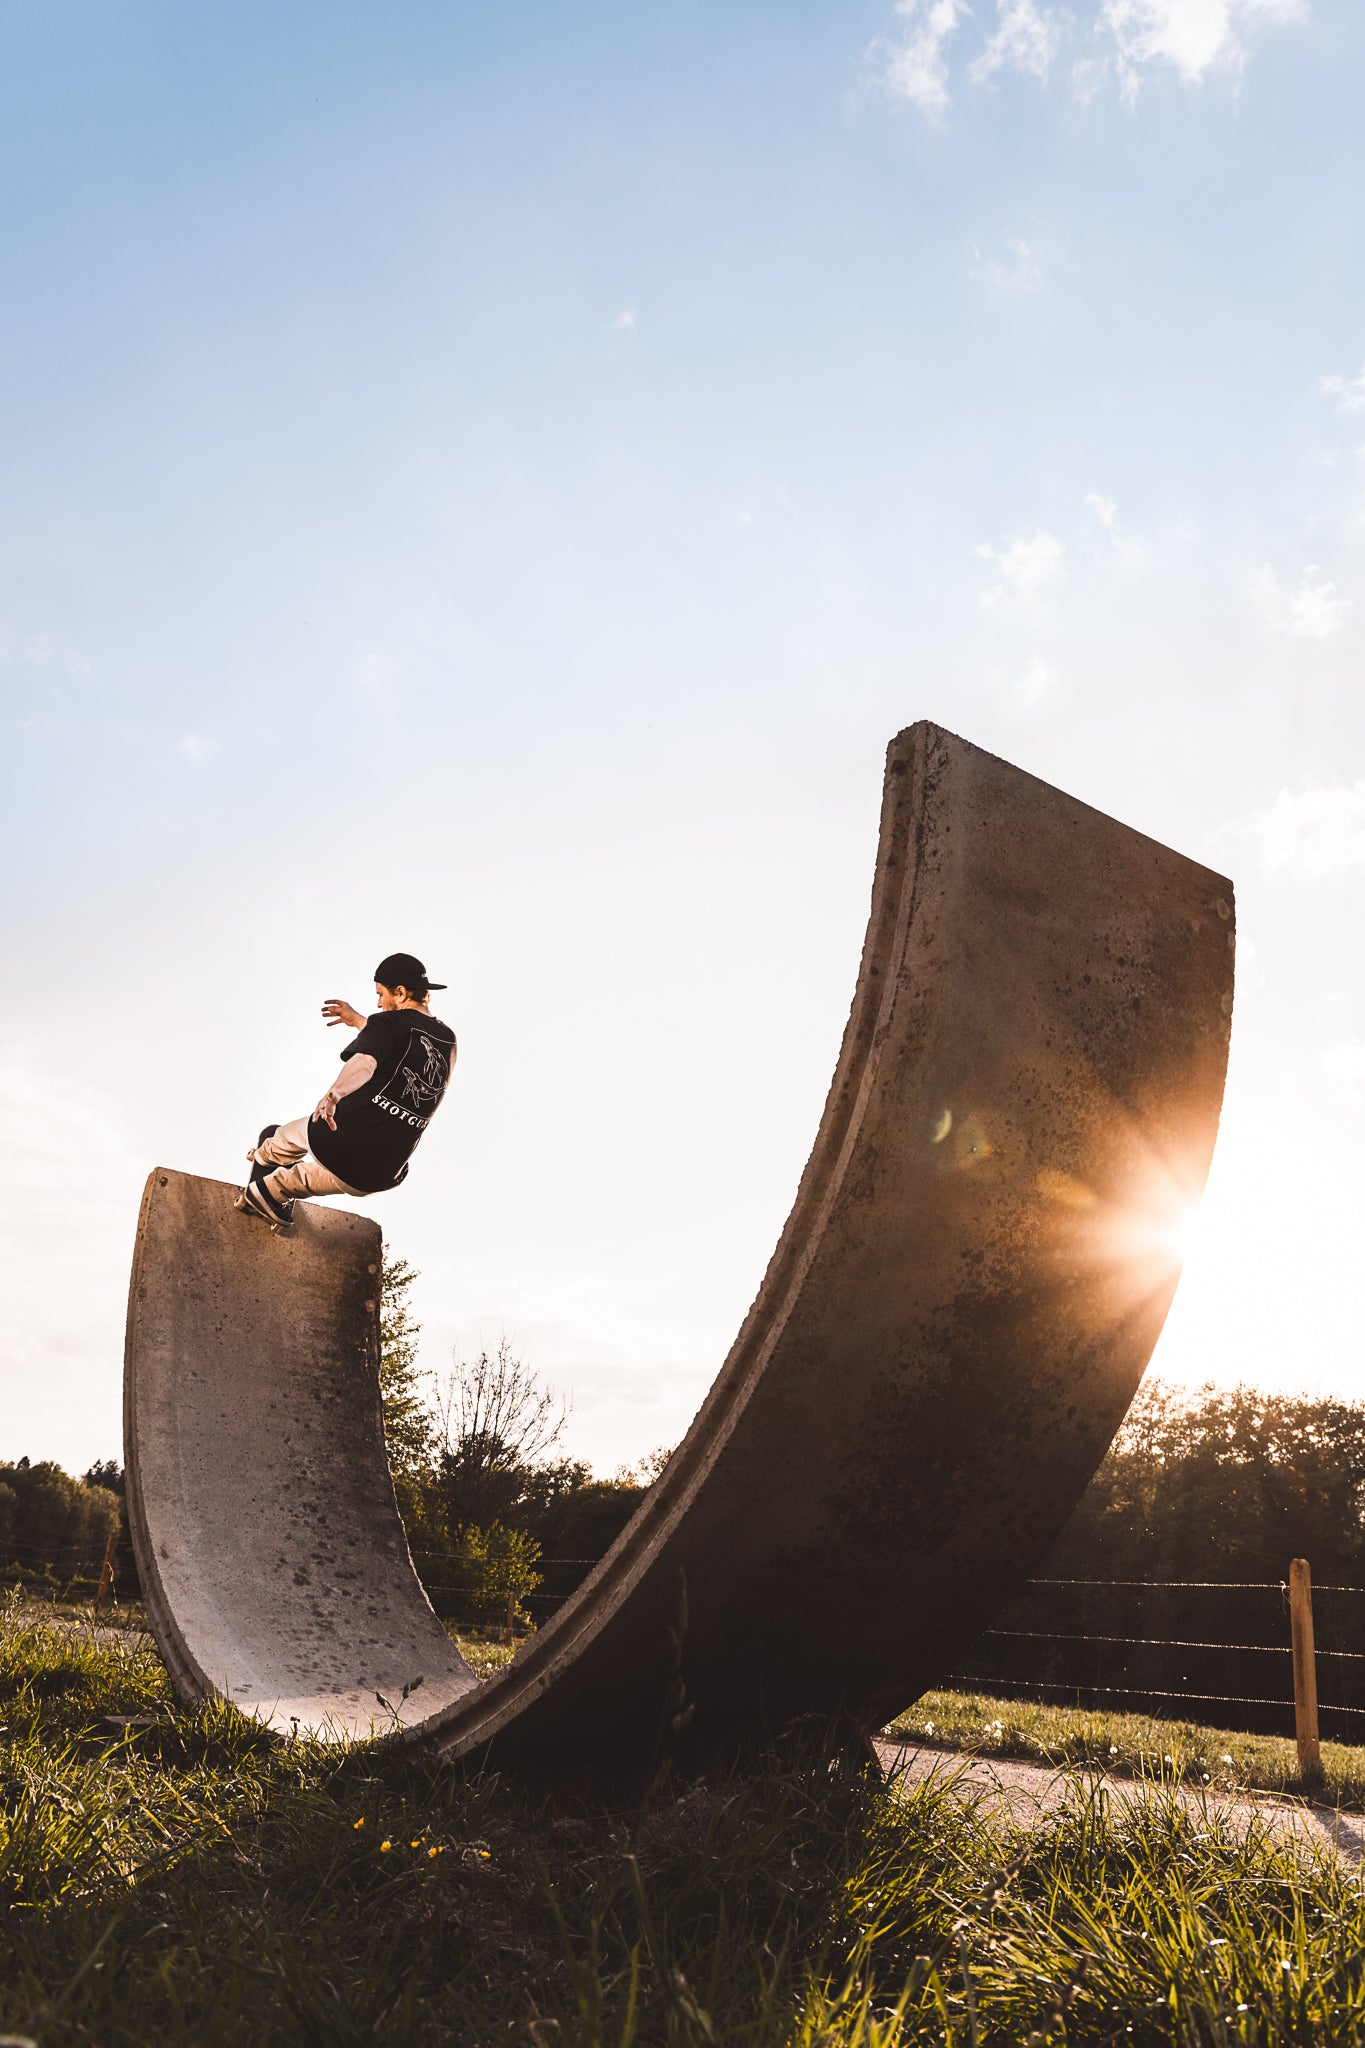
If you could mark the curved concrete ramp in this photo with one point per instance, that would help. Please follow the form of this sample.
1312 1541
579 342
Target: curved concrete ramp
273 1563
970 1283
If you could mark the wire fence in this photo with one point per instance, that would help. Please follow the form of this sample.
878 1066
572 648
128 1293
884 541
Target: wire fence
1145 1692
54 1555
1109 1667
1035 1635
46 1568
474 1583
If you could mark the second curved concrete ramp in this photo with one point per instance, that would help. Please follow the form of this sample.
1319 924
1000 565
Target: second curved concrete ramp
965 1295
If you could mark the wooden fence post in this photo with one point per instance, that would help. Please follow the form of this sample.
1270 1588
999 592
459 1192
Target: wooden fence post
1305 1665
512 1617
106 1583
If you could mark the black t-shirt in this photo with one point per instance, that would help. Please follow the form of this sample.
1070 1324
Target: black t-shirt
379 1125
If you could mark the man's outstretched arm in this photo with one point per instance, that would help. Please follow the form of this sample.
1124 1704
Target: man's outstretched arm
337 1011
357 1071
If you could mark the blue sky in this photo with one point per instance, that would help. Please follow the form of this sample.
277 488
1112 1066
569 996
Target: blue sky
490 480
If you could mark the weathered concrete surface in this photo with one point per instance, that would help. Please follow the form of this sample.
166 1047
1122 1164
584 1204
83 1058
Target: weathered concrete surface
273 1562
957 1314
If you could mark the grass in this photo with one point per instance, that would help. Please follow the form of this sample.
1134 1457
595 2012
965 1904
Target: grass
483 1653
189 1879
1134 1745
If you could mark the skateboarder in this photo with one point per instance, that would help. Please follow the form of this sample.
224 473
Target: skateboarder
361 1135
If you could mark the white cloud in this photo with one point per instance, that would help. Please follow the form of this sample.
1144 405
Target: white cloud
914 64
1027 38
1106 511
48 682
1126 40
1037 683
625 319
1017 271
1026 568
1349 392
1191 36
41 651
1310 833
194 746
1312 612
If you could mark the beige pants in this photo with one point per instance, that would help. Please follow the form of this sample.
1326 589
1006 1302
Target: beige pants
298 1173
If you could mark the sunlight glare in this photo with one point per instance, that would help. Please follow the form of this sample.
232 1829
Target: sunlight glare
1186 1230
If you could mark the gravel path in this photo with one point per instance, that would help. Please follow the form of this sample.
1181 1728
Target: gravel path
1023 1789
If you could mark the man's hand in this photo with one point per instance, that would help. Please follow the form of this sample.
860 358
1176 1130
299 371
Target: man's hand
359 1069
338 1012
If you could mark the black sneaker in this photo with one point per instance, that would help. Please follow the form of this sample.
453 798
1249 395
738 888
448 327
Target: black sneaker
257 1198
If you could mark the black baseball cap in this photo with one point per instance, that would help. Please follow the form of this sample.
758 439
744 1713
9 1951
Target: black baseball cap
403 970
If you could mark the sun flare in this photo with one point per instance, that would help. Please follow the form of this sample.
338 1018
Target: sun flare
1185 1230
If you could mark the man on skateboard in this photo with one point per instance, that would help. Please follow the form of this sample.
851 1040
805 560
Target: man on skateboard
361 1136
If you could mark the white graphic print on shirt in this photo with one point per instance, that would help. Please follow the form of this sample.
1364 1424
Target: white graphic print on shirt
419 1082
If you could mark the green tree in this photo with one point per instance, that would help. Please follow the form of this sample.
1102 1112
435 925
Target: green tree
646 1470
497 1425
489 1567
409 1436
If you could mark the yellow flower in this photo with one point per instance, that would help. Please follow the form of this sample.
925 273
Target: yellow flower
433 1852
384 1848
361 1822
